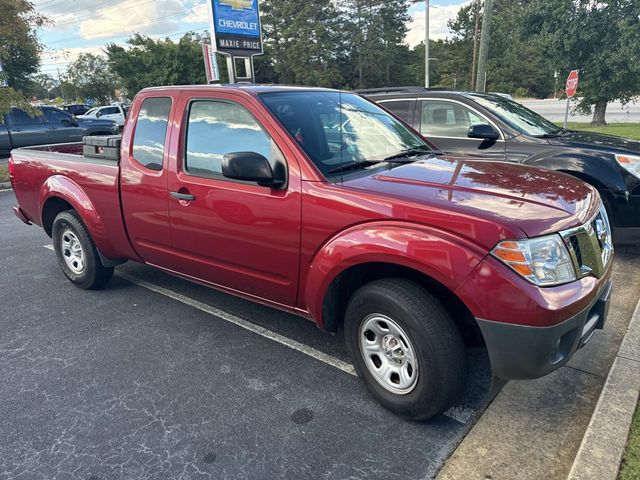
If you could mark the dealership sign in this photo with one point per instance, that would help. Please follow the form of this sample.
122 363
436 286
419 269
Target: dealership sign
236 29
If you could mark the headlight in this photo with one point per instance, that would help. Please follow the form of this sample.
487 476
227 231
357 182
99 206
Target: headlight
631 163
543 261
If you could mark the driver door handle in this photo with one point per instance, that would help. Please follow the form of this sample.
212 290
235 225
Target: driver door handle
187 197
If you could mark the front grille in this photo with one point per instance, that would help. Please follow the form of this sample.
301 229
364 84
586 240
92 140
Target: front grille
590 245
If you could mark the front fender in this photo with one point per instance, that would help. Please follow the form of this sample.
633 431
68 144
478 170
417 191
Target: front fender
596 165
436 254
66 189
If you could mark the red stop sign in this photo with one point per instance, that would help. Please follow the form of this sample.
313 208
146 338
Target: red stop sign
572 83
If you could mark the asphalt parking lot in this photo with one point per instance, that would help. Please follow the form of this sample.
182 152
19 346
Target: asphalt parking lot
128 382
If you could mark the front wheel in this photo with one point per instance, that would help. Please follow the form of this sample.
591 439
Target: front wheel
406 347
77 254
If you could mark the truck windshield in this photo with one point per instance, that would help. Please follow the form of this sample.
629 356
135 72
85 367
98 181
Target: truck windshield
518 116
337 129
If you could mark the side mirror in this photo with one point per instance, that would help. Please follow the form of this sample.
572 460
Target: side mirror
69 122
251 167
98 114
483 131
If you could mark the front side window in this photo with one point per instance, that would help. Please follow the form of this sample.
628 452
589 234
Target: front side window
216 128
447 119
151 132
55 116
110 111
336 129
518 116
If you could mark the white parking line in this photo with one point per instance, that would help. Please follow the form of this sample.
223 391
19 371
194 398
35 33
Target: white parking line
460 414
276 337
6 190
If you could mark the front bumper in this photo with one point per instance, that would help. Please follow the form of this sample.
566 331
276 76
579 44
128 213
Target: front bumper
519 352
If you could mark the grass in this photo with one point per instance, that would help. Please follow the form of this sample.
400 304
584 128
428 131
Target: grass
4 174
630 469
626 130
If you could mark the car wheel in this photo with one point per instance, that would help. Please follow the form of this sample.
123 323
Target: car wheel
77 254
406 347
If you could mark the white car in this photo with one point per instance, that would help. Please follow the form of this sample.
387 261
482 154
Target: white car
117 113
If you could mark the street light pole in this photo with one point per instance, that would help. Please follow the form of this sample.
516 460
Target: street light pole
426 40
426 43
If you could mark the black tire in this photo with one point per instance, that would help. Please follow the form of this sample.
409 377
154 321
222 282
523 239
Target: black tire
439 349
93 274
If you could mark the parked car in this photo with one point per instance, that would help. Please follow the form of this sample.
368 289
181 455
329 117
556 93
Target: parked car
52 125
77 108
414 254
487 125
117 113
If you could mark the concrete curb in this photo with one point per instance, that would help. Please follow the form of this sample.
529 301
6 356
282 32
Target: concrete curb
5 185
604 442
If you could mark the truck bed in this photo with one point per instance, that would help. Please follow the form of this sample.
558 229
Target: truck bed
60 151
47 173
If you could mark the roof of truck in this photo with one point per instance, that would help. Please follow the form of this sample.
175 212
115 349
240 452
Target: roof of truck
250 88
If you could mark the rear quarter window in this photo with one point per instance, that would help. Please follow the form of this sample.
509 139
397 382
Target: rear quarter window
151 131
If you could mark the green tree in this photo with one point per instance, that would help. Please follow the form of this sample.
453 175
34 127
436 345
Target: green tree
91 77
375 32
301 43
148 62
42 85
599 38
19 49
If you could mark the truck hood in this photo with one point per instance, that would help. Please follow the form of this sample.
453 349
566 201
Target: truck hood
596 141
521 199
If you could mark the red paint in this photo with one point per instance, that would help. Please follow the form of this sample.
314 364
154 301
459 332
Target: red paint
572 83
283 248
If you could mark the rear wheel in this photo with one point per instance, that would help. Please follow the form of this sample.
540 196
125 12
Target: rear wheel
77 254
406 348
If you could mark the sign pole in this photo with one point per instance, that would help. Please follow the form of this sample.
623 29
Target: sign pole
566 113
231 68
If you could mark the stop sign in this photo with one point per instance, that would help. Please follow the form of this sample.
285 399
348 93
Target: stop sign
572 83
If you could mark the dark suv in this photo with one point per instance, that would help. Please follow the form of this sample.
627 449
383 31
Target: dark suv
489 126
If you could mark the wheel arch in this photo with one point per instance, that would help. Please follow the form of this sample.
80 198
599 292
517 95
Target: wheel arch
59 193
435 260
347 282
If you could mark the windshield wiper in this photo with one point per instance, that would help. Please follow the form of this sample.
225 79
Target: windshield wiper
405 156
354 165
410 152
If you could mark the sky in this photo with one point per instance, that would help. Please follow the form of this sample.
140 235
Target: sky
88 25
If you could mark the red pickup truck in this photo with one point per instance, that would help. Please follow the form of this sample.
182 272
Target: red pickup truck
320 203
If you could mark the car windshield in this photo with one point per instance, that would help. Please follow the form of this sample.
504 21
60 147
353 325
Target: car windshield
518 116
336 129
92 111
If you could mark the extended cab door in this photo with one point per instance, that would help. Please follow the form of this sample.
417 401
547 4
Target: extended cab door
446 123
238 235
143 178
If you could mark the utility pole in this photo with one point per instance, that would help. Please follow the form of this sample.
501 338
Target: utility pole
474 63
484 46
61 89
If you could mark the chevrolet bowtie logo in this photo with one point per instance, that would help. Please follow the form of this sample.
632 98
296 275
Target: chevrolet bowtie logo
238 4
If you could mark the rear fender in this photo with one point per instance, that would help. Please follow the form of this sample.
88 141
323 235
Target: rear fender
436 254
66 189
